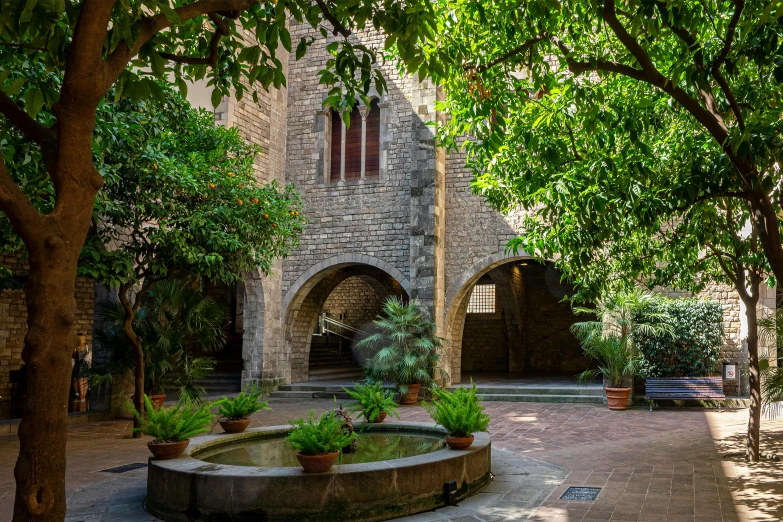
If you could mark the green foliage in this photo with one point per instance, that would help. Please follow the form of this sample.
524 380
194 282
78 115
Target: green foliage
408 350
180 196
771 365
693 348
625 314
173 423
371 400
174 320
243 405
238 47
598 120
617 361
311 437
459 411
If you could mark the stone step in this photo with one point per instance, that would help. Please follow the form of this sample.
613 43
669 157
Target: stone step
341 395
539 390
572 399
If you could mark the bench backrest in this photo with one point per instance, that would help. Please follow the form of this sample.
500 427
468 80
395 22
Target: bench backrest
685 387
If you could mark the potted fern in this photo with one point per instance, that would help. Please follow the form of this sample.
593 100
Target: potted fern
460 412
408 350
236 411
172 427
373 401
319 443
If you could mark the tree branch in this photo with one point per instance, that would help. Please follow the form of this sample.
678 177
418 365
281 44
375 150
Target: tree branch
338 27
221 29
21 120
716 127
716 73
118 60
513 52
15 204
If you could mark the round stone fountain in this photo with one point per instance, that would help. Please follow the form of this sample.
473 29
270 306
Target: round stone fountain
399 468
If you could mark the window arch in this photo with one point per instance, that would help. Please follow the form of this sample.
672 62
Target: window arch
355 149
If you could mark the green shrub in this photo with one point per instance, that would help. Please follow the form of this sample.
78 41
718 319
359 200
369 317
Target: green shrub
371 400
319 438
173 423
459 411
243 405
694 349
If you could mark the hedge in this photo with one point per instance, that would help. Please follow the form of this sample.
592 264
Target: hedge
694 350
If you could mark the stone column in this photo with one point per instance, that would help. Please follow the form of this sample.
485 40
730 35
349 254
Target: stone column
342 148
428 166
364 110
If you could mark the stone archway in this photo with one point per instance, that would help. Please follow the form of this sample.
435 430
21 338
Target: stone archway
304 301
526 333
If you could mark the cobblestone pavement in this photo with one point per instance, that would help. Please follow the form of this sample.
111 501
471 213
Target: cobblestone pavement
669 465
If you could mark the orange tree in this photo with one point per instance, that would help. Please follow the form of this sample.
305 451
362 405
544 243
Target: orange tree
97 45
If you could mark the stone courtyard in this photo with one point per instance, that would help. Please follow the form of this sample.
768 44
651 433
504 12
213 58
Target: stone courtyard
672 465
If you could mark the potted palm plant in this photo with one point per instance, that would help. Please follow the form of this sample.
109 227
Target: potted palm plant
319 443
407 349
460 412
373 401
236 411
172 427
174 321
610 339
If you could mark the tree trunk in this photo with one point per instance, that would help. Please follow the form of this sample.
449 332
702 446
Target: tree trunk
754 376
138 352
49 344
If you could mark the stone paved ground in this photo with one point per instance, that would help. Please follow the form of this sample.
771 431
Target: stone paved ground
669 465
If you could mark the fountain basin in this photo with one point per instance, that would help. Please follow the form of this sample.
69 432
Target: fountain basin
190 489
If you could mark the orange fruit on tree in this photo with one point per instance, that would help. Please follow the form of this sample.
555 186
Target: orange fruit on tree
230 174
239 202
212 186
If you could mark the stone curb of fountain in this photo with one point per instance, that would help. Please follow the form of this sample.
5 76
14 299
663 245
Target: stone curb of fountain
519 486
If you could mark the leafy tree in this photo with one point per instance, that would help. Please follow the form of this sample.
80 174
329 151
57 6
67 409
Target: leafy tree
94 45
640 137
179 198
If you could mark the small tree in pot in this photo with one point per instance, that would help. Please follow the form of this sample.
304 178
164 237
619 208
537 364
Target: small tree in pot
408 350
460 412
236 411
610 339
319 443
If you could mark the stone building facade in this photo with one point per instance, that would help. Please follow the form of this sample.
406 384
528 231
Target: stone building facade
415 230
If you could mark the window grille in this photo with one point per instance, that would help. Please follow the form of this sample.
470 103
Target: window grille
482 300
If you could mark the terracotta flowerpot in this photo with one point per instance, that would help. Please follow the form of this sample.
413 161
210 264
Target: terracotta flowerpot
412 396
168 450
157 400
459 443
380 418
317 463
617 398
234 425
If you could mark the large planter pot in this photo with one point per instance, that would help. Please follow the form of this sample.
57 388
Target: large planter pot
157 400
234 425
168 450
412 396
617 398
317 463
380 418
459 443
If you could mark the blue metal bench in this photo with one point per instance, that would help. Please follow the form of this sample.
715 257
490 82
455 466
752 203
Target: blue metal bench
685 388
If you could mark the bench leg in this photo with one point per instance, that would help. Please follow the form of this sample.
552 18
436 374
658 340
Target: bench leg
650 402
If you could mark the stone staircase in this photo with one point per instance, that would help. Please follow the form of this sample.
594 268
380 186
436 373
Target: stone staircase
328 362
573 394
310 390
222 383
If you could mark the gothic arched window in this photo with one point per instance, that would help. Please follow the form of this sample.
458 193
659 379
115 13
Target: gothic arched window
355 149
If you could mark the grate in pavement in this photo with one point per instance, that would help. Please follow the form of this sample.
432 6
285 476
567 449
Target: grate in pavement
575 493
125 468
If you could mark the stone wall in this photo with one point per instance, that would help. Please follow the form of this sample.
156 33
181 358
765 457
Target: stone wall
485 343
367 216
13 325
355 301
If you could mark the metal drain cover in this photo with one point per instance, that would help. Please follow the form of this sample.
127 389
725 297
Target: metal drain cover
125 468
577 493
